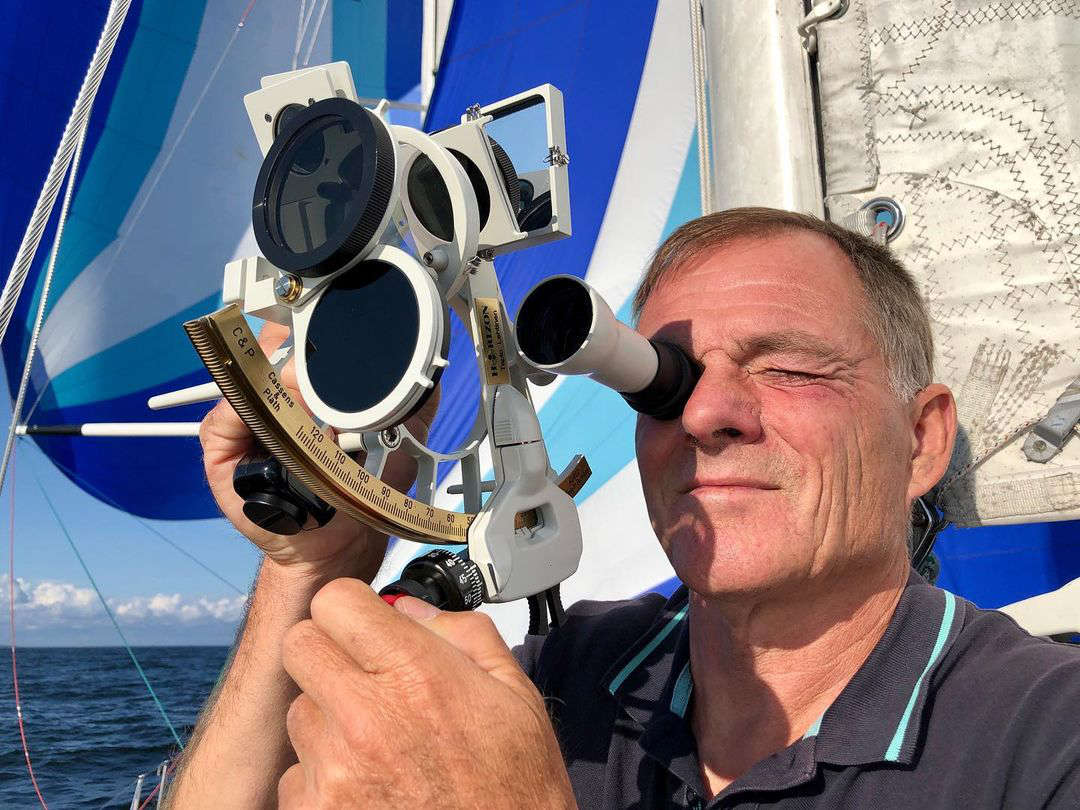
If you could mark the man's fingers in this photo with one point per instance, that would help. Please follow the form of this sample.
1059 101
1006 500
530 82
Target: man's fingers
223 424
475 635
307 726
321 668
377 637
272 335
291 788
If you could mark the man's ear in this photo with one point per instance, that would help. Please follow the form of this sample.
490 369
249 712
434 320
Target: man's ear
933 414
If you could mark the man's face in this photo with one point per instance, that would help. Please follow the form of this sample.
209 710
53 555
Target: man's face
792 458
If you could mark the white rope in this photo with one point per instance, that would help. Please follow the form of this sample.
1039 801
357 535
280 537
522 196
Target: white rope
16 410
701 107
76 123
315 33
301 30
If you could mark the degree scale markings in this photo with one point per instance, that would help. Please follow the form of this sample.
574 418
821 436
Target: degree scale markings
231 352
237 364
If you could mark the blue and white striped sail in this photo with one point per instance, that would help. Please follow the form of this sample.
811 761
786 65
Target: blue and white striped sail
633 179
163 200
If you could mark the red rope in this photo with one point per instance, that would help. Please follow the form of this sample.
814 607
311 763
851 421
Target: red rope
157 787
11 602
244 16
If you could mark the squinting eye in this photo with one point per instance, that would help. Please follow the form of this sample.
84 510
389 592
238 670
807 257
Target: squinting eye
791 374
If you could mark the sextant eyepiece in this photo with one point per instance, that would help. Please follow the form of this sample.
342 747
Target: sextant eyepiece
565 327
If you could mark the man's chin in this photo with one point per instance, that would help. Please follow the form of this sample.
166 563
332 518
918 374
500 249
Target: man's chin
728 567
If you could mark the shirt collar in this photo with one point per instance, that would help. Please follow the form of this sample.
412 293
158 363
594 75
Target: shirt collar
878 717
651 682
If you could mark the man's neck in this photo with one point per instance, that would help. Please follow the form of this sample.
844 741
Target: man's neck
765 672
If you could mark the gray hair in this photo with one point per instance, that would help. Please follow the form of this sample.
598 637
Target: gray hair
896 316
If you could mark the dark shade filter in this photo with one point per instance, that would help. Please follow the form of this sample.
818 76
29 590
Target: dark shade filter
430 199
362 336
324 179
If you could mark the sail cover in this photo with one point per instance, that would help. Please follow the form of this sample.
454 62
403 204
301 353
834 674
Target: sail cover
967 114
162 202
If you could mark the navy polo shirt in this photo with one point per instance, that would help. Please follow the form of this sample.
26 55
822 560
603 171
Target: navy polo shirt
955 707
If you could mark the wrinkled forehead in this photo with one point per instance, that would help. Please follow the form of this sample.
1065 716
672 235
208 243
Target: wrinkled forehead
792 276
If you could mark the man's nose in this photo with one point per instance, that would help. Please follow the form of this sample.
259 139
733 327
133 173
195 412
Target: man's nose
722 408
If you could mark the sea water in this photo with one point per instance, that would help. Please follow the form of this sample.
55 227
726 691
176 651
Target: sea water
91 725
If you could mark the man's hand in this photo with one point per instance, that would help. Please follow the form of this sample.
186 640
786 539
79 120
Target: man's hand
412 707
343 545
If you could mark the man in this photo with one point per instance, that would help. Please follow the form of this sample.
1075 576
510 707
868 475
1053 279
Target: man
802 665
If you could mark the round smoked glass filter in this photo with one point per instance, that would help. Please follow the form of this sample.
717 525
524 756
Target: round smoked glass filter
316 191
429 198
362 336
324 187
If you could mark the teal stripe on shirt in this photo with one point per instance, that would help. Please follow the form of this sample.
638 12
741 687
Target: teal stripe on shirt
892 753
684 687
635 662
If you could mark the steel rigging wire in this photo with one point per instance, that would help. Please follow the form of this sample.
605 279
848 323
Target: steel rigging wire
80 114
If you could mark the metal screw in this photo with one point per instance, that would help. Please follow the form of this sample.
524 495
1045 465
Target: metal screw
1039 445
428 259
391 438
267 117
556 157
288 288
472 112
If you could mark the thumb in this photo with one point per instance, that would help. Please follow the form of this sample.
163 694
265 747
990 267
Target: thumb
471 633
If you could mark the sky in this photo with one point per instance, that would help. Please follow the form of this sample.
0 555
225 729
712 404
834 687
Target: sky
157 592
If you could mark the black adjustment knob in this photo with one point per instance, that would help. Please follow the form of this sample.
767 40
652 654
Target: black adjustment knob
442 578
275 514
275 500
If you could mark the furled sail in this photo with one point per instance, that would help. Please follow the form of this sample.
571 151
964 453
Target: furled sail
966 114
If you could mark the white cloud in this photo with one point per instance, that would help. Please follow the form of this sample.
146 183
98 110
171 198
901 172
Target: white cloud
48 603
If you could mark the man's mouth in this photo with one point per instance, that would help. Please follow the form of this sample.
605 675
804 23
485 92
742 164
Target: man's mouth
729 484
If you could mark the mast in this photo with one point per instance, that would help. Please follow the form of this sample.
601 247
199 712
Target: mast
761 107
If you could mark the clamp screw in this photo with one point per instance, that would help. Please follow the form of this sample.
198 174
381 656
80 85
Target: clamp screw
288 288
1039 445
472 112
391 437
